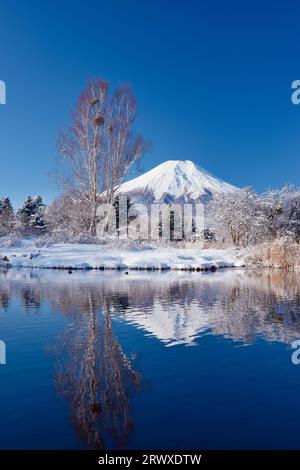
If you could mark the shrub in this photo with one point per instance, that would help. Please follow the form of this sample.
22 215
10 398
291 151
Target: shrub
279 253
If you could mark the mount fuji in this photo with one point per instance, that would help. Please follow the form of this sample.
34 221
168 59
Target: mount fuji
175 181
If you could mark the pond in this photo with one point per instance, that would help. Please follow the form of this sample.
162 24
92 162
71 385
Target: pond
108 360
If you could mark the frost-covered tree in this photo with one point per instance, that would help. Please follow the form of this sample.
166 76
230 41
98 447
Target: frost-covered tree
239 217
99 147
67 217
6 217
30 218
282 211
245 218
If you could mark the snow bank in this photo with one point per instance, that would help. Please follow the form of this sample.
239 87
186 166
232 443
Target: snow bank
79 256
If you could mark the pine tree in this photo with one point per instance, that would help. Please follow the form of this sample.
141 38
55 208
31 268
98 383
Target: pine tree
6 217
31 216
37 221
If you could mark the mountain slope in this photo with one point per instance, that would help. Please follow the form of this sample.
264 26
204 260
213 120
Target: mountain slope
175 181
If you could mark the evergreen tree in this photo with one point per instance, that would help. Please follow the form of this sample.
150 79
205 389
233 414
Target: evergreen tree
209 235
31 216
6 217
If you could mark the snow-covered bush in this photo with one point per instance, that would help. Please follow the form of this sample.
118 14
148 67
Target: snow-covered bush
10 241
67 218
282 212
239 218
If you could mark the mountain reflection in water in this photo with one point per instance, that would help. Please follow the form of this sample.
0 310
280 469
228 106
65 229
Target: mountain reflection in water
93 372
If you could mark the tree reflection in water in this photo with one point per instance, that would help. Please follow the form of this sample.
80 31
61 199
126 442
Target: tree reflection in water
92 371
95 375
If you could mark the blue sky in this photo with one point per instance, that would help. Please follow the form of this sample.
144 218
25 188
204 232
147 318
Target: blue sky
212 79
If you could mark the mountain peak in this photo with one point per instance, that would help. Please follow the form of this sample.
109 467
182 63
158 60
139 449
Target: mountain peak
175 180
173 164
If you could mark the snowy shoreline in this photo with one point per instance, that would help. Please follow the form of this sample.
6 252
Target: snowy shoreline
81 256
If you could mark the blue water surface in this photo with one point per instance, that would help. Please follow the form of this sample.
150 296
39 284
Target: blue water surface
149 361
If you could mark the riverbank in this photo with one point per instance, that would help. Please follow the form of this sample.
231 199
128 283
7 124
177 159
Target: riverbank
85 256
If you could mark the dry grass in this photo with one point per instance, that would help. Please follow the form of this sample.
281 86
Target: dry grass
279 253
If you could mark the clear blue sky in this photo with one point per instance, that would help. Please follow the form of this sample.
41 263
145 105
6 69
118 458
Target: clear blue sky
212 80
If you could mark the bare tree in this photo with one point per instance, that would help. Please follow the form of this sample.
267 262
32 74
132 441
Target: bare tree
94 374
99 148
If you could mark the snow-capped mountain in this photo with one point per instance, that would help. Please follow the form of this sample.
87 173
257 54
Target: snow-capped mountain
175 180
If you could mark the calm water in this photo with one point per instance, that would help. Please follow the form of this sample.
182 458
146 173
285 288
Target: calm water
108 360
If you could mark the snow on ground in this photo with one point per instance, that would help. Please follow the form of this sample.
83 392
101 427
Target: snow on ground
80 256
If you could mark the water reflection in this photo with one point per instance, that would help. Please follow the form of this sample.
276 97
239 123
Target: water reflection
96 376
175 308
92 371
